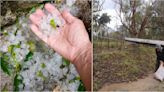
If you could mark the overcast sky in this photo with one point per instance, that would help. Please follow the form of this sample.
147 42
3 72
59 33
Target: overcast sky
109 7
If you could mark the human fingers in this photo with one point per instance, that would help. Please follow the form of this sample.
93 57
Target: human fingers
68 17
35 29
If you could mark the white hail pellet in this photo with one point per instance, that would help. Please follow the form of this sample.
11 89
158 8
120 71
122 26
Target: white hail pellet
50 23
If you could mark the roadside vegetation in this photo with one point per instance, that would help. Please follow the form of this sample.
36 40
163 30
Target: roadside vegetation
121 63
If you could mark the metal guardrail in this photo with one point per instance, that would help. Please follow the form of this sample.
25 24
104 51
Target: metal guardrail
145 41
137 40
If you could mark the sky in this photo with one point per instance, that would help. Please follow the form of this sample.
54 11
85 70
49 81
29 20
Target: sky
109 7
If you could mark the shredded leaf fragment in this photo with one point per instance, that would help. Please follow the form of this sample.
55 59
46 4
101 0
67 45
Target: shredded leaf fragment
52 23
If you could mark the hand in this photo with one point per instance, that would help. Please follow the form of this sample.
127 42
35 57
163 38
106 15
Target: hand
70 40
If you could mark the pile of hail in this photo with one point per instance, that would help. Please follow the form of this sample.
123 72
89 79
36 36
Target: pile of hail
31 63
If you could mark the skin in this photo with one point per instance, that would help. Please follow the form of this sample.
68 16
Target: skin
71 41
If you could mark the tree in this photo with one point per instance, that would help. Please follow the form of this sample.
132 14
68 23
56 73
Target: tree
97 5
104 19
134 15
158 20
99 21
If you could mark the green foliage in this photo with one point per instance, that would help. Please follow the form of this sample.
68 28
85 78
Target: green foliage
52 23
136 16
5 33
32 10
11 51
41 6
4 64
104 19
15 33
40 74
18 67
81 87
32 45
126 64
17 23
74 79
10 48
66 62
43 65
18 79
29 56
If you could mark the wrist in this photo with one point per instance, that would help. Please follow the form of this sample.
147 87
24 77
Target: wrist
83 64
79 54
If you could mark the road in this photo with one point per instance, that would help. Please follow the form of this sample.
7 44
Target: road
146 84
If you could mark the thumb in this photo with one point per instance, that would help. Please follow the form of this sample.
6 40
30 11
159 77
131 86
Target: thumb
68 16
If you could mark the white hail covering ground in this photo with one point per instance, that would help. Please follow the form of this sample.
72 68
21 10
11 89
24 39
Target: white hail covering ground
52 72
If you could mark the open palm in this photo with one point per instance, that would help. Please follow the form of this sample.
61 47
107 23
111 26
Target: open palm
71 38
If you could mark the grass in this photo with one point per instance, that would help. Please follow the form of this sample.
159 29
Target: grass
113 65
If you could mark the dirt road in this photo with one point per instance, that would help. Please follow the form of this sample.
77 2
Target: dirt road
146 84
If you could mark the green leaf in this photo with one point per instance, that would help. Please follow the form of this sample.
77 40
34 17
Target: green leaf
18 79
29 56
4 64
41 6
5 33
77 78
32 45
74 79
1 54
17 23
5 68
40 74
15 33
18 45
4 57
32 10
13 54
52 23
43 65
10 49
18 67
81 87
66 62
